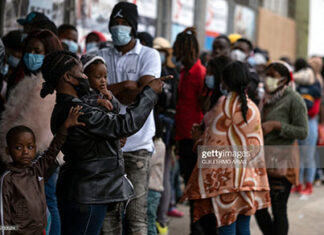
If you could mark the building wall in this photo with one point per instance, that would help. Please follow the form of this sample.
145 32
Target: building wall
302 21
276 34
316 28
279 7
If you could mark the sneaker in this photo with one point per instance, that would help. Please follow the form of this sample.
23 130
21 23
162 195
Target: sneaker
296 189
317 182
308 189
161 229
174 212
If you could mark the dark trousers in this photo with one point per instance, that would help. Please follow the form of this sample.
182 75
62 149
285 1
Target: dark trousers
81 219
187 163
280 190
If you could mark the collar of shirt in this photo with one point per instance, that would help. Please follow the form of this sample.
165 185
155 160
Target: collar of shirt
136 50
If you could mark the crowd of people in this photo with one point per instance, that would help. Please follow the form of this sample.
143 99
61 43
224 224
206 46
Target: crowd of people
100 140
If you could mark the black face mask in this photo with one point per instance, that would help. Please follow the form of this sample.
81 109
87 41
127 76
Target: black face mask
83 87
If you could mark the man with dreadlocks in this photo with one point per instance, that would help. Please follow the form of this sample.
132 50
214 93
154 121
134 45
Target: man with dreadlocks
188 109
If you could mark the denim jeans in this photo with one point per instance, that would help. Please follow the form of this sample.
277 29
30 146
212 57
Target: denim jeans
137 170
168 123
137 166
307 153
152 206
51 201
166 194
240 227
81 219
112 224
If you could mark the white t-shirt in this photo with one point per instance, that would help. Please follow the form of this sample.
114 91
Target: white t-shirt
140 61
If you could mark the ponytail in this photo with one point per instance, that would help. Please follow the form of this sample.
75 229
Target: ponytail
244 106
237 77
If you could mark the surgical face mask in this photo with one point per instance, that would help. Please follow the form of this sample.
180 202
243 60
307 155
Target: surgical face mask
162 56
13 61
178 64
238 55
23 36
223 90
272 84
121 35
91 46
4 69
251 61
33 62
72 45
210 81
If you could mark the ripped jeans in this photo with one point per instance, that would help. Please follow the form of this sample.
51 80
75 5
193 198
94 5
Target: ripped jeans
137 170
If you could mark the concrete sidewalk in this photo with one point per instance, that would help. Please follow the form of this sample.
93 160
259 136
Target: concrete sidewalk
305 216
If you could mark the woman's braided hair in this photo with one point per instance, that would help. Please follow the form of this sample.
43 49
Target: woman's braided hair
186 45
236 77
54 66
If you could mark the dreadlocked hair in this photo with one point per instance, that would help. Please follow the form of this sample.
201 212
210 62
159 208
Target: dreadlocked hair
236 76
54 66
186 46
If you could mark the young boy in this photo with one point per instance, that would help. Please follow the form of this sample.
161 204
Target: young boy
22 202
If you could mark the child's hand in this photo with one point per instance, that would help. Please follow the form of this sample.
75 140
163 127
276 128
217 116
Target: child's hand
72 119
122 142
106 103
106 93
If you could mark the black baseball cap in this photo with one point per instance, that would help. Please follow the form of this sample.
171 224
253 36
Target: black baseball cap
33 17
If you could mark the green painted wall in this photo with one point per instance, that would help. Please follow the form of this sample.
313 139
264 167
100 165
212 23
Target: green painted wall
301 18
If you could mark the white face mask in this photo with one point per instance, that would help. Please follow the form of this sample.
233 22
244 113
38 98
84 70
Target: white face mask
238 55
272 84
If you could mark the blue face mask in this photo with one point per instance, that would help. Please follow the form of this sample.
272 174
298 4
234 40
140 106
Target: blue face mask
73 46
210 81
33 62
162 56
4 69
178 64
13 61
23 36
223 90
91 46
121 35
